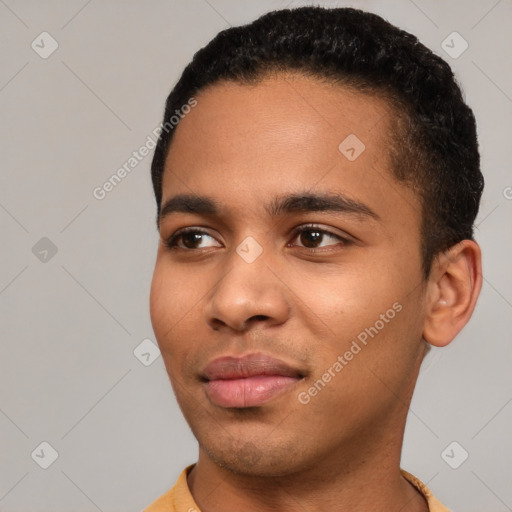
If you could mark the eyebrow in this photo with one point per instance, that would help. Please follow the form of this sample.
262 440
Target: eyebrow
291 203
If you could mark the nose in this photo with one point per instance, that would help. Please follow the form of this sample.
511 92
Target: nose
247 294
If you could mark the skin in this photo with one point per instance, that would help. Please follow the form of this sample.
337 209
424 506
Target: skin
303 300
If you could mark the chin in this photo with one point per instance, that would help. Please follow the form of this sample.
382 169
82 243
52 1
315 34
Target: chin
250 458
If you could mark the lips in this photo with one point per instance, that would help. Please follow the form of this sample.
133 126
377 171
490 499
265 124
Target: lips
248 381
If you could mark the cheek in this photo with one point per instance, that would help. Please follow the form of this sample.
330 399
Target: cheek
169 306
159 302
175 297
341 302
362 305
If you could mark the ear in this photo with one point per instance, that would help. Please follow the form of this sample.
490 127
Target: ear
452 290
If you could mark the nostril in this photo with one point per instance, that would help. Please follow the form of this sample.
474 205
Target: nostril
259 317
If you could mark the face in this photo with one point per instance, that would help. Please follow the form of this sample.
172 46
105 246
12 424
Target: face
296 261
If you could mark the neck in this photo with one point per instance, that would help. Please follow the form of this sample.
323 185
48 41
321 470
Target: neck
373 481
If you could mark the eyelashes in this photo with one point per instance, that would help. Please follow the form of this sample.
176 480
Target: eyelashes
191 238
186 234
319 233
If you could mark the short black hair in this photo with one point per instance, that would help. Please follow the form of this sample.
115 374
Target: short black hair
433 140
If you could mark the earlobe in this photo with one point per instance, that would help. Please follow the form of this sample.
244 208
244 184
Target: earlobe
452 291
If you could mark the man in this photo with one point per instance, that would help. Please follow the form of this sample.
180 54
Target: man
315 200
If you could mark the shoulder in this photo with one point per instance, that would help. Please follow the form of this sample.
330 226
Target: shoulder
434 505
177 499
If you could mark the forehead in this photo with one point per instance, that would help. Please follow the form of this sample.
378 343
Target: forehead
282 134
288 110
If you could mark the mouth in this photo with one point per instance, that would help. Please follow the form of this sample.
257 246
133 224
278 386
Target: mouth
248 381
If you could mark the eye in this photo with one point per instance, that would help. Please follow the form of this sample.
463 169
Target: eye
313 237
310 237
190 239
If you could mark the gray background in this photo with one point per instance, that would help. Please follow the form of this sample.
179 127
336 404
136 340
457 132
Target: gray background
71 323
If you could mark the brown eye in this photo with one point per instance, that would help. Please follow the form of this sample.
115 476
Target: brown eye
310 238
191 239
313 237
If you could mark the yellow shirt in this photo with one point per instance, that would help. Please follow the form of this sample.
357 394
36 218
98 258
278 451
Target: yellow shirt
179 499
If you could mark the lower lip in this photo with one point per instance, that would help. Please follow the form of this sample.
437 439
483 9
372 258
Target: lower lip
249 392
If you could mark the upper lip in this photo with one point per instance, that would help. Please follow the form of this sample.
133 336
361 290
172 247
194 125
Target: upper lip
248 365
